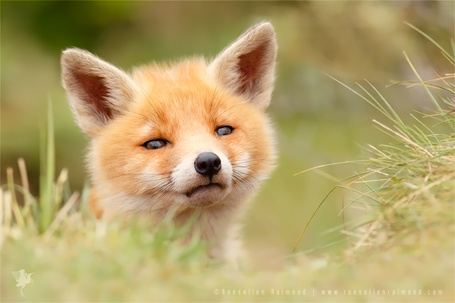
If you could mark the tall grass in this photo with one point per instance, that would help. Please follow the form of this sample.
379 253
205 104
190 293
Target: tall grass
20 210
406 186
412 181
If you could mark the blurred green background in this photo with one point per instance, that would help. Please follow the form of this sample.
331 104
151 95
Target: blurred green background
318 121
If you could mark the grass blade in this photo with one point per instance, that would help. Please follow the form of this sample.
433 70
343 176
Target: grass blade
47 208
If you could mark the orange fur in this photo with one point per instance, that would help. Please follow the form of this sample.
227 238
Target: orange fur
181 105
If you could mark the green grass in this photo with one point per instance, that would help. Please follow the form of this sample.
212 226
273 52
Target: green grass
399 230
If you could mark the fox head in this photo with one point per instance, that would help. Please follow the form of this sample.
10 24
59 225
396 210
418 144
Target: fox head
192 134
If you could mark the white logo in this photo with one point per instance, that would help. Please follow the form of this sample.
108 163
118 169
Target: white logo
22 279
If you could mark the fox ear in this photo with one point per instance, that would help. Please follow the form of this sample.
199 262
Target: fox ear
247 66
97 90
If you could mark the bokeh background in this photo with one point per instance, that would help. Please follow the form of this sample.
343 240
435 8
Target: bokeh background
318 120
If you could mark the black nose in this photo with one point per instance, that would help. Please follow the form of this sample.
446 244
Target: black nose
207 164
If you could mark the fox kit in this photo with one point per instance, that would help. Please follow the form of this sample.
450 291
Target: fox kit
191 136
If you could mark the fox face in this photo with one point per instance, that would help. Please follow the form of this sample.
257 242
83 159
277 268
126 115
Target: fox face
191 135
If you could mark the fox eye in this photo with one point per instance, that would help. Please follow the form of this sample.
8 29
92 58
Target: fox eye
224 130
154 144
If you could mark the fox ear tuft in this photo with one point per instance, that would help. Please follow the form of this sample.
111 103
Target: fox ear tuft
97 90
247 66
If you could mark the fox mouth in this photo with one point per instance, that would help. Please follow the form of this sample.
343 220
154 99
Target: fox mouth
204 190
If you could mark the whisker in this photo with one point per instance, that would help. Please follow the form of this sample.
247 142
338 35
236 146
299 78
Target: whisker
227 109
